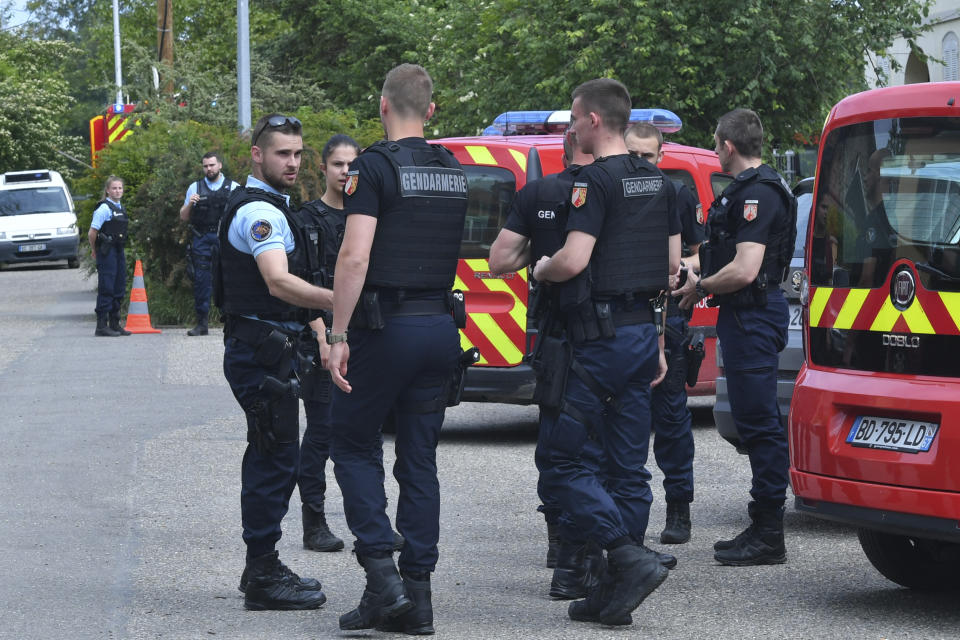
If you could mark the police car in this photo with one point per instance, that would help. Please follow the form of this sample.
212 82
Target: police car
37 219
518 147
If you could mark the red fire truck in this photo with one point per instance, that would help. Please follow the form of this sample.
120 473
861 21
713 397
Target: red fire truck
873 422
518 147
110 127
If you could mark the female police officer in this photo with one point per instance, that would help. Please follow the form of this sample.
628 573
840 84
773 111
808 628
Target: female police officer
107 236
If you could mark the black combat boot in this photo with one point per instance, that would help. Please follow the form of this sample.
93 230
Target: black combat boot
316 534
383 597
201 328
761 543
666 559
419 620
677 530
598 597
568 581
103 329
115 325
303 584
723 545
553 544
271 585
636 573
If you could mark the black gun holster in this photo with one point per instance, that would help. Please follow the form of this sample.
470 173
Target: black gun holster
551 361
455 390
695 354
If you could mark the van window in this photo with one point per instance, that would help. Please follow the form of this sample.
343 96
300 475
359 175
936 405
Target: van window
719 182
683 177
490 191
17 202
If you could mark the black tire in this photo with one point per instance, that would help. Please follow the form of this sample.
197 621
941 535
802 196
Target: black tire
916 563
73 263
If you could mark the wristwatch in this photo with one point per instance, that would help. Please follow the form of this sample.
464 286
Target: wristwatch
701 292
334 338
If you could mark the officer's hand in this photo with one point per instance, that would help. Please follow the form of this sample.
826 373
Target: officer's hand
195 198
539 268
687 294
661 369
337 365
324 352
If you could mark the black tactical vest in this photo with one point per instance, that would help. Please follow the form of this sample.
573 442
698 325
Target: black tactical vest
417 241
328 225
206 213
632 253
115 227
722 226
243 288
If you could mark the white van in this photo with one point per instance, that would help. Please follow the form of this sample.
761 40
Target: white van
37 218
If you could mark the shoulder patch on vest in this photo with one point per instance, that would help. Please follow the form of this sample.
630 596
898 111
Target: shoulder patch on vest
750 210
353 179
260 230
699 213
578 197
637 187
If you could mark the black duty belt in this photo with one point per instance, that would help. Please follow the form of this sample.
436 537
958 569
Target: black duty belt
417 308
253 332
643 315
204 230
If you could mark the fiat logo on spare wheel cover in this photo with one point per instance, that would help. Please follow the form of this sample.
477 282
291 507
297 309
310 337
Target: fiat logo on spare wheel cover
903 288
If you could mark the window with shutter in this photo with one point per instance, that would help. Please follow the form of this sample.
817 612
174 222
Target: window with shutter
951 70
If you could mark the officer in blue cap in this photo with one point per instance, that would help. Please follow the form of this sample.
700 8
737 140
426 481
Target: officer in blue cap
751 231
406 203
622 243
262 285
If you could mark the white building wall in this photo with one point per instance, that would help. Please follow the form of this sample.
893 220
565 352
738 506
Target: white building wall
944 19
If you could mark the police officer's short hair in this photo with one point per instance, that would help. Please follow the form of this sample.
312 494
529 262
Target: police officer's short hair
409 89
644 130
607 97
274 123
743 128
212 154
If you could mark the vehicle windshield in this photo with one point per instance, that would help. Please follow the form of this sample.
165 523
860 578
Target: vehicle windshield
490 191
16 202
804 200
888 190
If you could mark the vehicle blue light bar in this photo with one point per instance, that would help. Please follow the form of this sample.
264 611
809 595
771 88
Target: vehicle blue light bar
513 123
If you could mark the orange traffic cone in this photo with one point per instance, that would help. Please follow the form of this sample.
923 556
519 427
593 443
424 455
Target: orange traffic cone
138 316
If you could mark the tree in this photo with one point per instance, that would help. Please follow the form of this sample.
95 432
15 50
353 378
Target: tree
34 97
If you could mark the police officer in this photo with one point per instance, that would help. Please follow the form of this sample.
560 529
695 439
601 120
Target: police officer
672 424
406 203
202 208
265 254
621 231
326 213
536 227
750 235
108 236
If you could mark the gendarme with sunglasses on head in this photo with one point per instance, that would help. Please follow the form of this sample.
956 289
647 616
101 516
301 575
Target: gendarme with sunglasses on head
262 286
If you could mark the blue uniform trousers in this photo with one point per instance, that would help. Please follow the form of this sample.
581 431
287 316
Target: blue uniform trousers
202 275
402 368
672 423
598 475
111 281
751 340
267 477
315 447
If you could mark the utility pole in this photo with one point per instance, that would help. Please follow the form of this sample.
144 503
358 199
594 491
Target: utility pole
243 65
165 39
116 51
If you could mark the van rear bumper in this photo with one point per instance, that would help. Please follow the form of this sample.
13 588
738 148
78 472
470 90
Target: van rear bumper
61 248
512 385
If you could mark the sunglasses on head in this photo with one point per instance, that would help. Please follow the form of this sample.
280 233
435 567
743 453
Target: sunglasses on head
273 122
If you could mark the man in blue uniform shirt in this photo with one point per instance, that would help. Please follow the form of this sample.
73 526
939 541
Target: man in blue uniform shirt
621 229
265 256
405 202
751 233
673 446
202 208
